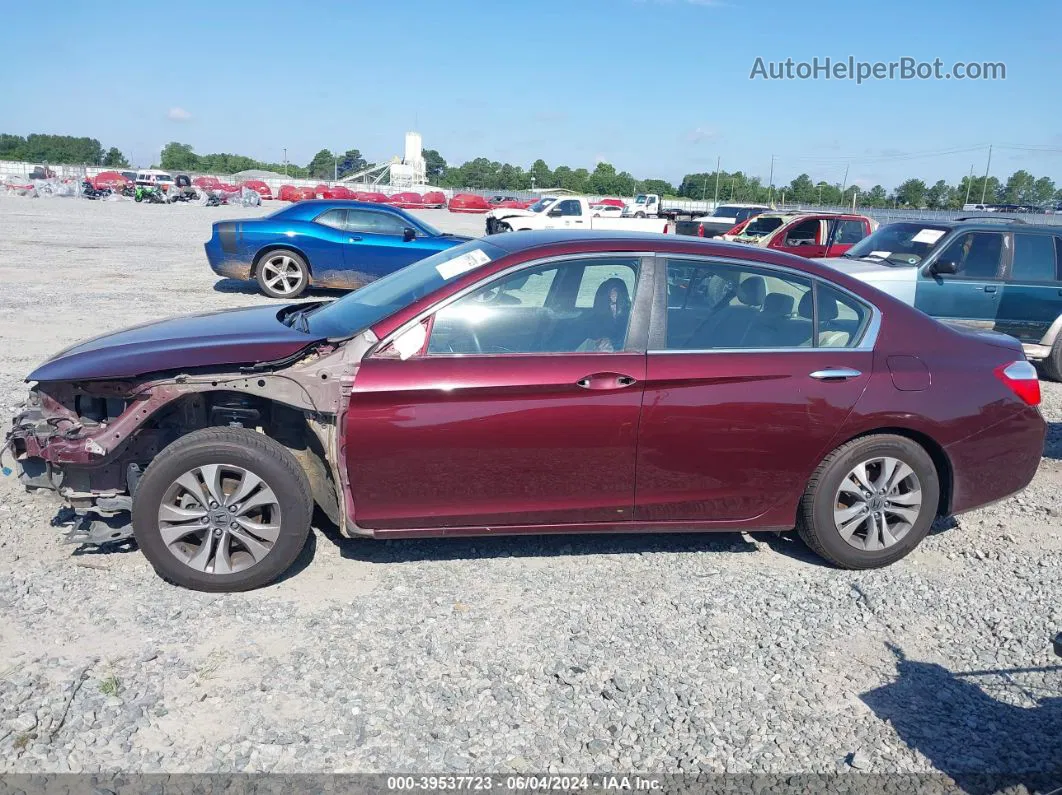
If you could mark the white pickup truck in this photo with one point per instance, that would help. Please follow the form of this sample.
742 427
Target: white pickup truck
566 212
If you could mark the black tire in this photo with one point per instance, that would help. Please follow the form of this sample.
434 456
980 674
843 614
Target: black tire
234 447
1052 364
501 227
639 214
265 274
815 516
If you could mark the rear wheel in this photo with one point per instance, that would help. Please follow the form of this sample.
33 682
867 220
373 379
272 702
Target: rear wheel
222 509
283 274
870 502
1052 365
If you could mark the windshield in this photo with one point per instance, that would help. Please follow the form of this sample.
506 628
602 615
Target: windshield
902 244
362 308
542 204
762 225
727 211
640 198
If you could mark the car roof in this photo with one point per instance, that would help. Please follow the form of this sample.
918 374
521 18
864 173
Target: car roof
344 204
986 222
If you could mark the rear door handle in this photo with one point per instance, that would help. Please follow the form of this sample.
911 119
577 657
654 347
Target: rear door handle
990 288
605 381
835 374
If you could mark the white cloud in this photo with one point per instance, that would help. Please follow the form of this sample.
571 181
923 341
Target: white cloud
178 114
700 135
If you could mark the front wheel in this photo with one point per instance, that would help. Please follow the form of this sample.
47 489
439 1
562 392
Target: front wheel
870 502
222 509
283 274
639 215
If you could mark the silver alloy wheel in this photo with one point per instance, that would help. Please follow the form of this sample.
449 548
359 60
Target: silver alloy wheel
877 504
219 519
282 274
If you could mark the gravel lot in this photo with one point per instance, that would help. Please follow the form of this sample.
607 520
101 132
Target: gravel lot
694 653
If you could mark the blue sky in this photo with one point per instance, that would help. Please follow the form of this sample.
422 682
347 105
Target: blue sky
656 87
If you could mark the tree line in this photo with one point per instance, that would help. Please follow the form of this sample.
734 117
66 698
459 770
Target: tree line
67 149
1021 187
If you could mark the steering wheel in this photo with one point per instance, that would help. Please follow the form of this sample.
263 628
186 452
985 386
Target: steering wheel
488 295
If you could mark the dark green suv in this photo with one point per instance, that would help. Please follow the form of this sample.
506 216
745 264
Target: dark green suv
994 273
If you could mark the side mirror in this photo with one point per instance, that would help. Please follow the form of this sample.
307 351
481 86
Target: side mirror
409 233
944 267
555 212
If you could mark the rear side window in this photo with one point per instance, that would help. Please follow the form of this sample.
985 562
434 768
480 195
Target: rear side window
1034 258
334 218
841 319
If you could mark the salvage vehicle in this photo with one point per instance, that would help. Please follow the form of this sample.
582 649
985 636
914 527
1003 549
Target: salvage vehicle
565 212
805 234
155 179
721 220
994 273
537 382
322 243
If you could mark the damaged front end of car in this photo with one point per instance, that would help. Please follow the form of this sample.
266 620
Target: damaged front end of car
90 441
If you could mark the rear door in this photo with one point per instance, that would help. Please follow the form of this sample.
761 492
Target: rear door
972 295
1032 290
738 412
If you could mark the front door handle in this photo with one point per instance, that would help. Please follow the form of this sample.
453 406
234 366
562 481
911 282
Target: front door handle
605 381
353 239
835 374
990 288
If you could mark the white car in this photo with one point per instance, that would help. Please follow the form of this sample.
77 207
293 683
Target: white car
155 178
606 211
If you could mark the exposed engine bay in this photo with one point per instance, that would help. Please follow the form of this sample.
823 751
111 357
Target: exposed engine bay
90 441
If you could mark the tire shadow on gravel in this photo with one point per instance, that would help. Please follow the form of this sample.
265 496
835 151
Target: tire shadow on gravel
985 745
529 546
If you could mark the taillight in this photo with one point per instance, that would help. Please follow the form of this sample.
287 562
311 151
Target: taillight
700 230
1022 380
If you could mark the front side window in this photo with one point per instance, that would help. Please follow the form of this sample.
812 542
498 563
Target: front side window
976 255
374 223
804 233
581 306
569 207
849 231
1034 258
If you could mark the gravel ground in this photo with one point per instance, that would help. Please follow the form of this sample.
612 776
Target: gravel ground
667 653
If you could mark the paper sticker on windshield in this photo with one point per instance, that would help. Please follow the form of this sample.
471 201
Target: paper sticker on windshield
880 254
928 236
462 264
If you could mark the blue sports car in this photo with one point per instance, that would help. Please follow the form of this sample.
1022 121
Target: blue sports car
327 243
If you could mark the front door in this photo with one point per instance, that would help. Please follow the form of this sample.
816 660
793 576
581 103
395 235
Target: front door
521 407
743 400
843 233
971 296
566 214
806 238
376 243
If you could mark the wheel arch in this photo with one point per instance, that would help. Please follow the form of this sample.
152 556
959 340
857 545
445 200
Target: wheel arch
936 452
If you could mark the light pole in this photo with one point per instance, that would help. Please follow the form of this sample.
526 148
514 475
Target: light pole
285 161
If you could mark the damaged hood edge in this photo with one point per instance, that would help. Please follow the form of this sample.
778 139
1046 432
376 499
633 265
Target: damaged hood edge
246 336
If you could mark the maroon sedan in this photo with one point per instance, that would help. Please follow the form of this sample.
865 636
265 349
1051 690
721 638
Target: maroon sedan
541 382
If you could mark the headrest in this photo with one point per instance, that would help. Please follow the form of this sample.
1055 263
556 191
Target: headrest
778 304
827 308
752 291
